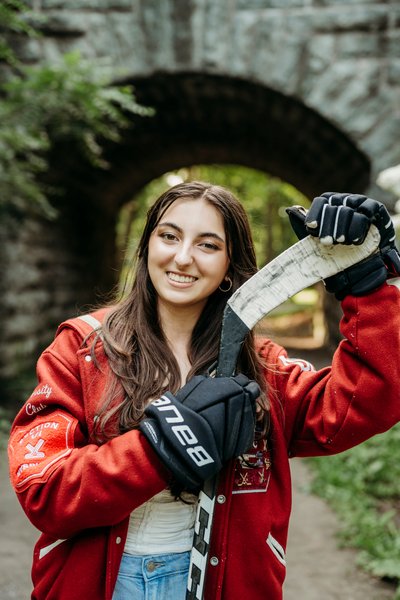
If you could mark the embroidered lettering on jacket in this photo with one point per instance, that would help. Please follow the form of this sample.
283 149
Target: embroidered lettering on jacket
33 409
37 448
45 391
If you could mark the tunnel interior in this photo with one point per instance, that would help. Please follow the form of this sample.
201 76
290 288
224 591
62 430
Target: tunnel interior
208 119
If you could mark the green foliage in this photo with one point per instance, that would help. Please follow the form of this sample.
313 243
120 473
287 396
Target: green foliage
70 103
363 486
12 20
264 198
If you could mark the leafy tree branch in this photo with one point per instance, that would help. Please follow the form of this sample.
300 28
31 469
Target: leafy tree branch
73 102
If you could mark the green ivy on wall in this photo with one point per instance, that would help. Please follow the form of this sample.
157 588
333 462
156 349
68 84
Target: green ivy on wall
72 102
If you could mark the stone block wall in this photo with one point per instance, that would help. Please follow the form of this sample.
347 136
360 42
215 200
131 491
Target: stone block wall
47 278
340 58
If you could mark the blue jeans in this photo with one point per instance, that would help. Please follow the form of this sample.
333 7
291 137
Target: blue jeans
158 577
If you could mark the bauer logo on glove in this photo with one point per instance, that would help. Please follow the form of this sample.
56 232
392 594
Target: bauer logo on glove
182 432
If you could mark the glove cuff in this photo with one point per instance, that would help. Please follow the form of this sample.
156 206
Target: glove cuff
391 259
358 280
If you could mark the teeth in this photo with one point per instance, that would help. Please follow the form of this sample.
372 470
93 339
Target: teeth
181 278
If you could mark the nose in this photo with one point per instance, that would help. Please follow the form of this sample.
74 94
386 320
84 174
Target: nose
183 256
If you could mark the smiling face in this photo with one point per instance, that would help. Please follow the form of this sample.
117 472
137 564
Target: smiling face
187 254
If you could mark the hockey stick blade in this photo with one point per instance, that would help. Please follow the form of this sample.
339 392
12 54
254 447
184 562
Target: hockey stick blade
299 267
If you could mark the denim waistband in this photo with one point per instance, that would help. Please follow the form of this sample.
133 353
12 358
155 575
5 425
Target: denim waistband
156 565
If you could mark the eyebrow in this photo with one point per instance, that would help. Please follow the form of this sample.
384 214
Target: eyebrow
205 234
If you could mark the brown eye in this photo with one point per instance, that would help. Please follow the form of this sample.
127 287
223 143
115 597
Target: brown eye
170 237
209 246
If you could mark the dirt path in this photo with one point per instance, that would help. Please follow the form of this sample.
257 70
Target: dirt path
316 568
17 537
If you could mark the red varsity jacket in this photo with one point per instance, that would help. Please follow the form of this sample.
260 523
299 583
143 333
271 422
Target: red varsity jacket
80 494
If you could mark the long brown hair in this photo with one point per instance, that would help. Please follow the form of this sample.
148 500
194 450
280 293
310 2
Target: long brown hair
139 357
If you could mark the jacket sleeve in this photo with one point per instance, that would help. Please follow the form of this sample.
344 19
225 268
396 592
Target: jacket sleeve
338 407
64 483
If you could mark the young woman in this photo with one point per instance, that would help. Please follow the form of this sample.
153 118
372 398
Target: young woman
109 452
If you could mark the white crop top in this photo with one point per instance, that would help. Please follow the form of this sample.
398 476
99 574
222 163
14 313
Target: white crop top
162 525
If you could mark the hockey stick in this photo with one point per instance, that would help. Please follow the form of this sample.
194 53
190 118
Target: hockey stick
299 267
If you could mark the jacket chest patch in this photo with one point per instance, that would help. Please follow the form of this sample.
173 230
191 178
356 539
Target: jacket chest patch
253 470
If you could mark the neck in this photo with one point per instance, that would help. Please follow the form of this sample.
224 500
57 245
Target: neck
178 326
178 323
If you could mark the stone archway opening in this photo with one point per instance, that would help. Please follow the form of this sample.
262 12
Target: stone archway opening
213 119
207 119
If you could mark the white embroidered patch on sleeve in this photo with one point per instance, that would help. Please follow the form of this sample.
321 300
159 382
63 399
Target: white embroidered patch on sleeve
303 364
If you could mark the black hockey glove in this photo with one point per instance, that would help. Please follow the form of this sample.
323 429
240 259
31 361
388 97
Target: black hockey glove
345 219
210 421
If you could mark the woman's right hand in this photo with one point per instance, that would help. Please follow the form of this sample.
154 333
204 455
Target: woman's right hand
207 423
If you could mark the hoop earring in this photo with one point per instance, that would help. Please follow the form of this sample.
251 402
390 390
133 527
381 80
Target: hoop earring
230 284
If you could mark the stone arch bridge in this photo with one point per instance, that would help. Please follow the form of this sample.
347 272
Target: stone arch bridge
307 90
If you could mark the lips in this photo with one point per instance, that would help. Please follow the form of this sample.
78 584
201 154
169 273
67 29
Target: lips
181 278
